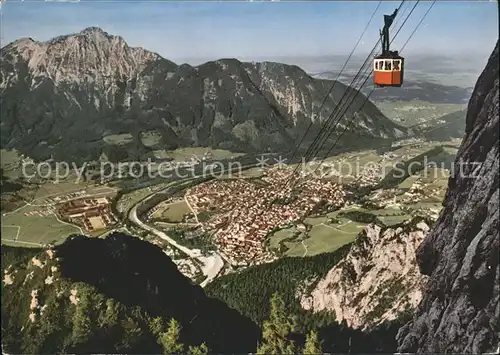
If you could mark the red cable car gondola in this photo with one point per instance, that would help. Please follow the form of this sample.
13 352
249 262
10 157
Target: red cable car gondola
388 67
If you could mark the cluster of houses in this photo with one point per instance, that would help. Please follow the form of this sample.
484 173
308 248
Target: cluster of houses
244 212
369 176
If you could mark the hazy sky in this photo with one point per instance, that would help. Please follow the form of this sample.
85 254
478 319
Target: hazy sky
184 30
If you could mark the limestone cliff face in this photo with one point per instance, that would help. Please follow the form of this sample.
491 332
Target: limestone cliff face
377 280
459 312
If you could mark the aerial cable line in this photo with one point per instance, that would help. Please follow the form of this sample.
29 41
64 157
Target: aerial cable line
368 96
359 90
402 13
330 127
340 112
348 91
326 126
335 82
347 104
353 95
418 25
328 121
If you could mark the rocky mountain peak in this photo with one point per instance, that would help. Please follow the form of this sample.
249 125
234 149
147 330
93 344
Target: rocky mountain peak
24 47
92 30
90 54
91 33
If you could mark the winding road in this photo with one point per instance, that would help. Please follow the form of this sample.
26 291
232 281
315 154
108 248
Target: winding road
212 264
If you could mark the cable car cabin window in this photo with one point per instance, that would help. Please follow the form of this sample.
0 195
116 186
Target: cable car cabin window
397 64
379 64
388 65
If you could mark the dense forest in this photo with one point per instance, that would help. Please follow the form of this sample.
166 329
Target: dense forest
250 290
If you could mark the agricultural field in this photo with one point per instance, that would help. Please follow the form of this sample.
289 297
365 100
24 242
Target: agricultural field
183 154
10 163
436 176
418 194
118 139
172 212
350 165
150 138
165 225
49 189
407 113
391 215
325 238
127 200
10 232
49 193
321 236
34 230
33 222
353 164
12 166
435 183
278 237
329 232
408 182
10 201
252 173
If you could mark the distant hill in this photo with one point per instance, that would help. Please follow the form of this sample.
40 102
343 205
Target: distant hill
404 169
444 128
79 95
411 90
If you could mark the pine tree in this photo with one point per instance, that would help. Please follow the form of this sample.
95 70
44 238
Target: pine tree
82 327
313 345
276 330
169 339
111 315
198 350
157 326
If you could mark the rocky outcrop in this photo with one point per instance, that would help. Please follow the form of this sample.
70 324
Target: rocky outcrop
377 280
79 95
459 312
90 55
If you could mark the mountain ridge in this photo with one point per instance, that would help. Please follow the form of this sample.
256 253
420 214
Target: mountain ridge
94 83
